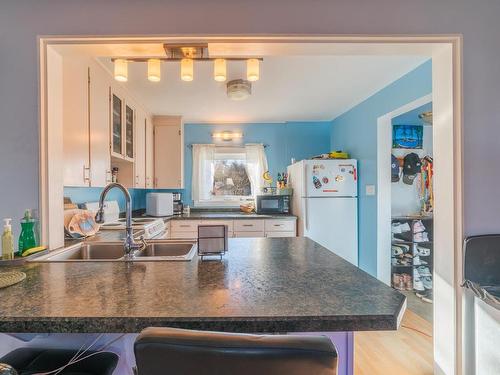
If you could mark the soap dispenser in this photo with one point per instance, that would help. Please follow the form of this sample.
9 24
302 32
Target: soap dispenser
27 239
7 240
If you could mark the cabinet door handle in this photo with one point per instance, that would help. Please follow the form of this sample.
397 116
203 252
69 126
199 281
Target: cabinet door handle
278 225
248 225
86 174
108 176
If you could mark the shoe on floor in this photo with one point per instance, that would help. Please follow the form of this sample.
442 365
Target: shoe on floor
427 281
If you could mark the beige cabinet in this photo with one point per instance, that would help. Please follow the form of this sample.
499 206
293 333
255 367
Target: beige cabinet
149 144
100 158
168 152
76 163
86 88
280 227
140 150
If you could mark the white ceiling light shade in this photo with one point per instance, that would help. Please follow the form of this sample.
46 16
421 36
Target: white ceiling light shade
121 70
154 70
253 70
239 89
220 71
187 70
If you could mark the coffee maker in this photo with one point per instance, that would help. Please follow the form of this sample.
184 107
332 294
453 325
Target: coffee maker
178 206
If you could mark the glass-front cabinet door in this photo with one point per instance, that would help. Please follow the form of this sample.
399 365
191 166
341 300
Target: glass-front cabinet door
129 132
117 126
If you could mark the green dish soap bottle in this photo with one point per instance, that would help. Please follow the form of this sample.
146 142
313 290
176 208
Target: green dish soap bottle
27 239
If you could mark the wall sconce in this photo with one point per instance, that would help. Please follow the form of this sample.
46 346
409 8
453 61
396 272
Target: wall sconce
187 70
227 136
253 70
220 70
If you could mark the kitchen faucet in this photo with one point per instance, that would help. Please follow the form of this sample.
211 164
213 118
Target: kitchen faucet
129 245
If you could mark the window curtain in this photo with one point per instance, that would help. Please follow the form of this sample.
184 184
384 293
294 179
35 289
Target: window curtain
203 162
256 166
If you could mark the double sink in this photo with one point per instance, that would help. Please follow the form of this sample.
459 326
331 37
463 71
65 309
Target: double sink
157 250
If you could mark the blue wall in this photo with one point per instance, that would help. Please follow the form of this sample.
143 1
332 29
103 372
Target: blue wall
288 140
297 140
356 132
411 117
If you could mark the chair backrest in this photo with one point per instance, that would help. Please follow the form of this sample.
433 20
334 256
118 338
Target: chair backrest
160 351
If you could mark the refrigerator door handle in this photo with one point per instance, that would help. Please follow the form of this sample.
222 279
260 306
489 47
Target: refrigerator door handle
304 200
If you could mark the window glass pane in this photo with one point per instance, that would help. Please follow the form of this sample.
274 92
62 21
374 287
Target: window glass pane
230 178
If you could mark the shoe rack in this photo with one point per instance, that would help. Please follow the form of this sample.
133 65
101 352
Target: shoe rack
408 269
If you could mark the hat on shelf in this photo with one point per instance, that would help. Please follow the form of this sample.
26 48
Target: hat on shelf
411 167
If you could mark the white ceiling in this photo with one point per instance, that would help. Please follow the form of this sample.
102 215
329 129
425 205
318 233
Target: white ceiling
316 85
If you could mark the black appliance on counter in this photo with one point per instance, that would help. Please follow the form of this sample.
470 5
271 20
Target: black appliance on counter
272 204
178 205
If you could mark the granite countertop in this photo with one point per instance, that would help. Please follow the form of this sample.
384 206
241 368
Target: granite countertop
262 285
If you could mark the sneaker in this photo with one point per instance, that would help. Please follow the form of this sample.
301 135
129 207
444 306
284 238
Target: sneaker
427 281
423 251
417 282
405 227
424 271
408 281
417 261
396 228
421 237
397 282
427 297
418 226
396 251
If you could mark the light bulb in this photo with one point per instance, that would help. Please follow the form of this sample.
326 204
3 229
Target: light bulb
187 69
154 70
253 70
121 70
220 70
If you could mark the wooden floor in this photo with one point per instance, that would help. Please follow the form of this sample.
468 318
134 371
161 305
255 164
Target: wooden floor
395 352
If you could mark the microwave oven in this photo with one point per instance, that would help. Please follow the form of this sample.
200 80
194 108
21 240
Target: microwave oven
272 204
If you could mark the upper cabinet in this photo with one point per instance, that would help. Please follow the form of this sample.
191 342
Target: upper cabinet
86 88
140 149
149 154
122 118
168 152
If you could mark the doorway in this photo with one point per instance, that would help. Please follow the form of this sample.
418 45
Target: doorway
445 54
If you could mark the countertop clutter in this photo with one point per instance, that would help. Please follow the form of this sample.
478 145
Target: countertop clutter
261 285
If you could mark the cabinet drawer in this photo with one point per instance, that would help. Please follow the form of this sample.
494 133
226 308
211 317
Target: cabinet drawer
185 225
279 234
229 223
184 235
248 225
280 225
249 234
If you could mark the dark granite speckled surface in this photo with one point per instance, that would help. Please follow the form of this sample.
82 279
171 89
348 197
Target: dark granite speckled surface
262 285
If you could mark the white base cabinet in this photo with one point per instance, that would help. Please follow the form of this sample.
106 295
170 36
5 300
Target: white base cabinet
242 228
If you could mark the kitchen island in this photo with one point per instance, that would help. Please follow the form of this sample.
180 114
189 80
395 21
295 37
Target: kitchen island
263 285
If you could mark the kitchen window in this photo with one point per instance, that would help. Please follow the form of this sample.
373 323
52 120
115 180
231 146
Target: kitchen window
227 176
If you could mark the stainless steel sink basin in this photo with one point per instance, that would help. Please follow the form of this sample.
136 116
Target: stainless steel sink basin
164 250
178 250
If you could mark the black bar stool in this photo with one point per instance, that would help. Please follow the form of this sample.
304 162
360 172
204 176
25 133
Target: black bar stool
27 361
160 351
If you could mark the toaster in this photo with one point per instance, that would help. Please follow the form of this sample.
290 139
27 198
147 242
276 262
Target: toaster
159 204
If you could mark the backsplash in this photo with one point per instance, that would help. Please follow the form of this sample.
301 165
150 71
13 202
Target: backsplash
81 195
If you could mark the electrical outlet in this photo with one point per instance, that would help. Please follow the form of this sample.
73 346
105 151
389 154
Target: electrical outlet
370 189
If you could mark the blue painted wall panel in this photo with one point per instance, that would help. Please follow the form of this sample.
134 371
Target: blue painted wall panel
356 132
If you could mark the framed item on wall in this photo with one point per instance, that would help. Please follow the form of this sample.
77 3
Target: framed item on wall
407 136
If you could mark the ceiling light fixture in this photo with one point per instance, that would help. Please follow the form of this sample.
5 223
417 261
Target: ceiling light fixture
154 70
187 70
239 89
220 74
121 70
227 136
253 70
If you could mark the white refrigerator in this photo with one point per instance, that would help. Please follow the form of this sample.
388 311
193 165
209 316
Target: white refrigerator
325 200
